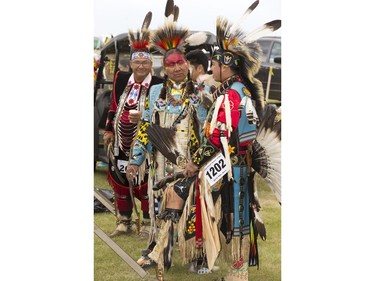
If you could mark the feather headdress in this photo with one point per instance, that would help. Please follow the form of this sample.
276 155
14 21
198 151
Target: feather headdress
239 50
140 41
170 36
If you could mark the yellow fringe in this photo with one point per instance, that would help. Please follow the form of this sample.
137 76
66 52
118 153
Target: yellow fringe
187 247
188 250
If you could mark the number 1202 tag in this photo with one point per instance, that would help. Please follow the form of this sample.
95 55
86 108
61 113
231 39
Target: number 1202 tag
216 169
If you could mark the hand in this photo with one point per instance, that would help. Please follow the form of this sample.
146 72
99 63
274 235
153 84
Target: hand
131 172
108 137
158 193
134 116
191 169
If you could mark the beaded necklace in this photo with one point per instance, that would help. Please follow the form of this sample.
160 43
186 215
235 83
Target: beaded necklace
170 97
225 85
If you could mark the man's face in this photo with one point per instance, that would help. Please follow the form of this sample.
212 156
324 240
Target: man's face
193 72
141 67
176 67
215 67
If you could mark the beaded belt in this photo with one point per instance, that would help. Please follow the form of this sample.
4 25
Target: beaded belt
238 160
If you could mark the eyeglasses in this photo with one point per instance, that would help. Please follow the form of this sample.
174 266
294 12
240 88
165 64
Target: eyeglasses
143 63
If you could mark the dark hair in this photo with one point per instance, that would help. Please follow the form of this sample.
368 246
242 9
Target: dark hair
197 57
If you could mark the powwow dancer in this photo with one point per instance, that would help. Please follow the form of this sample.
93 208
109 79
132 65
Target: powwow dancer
173 105
232 127
129 93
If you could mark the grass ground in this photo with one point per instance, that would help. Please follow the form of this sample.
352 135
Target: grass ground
108 266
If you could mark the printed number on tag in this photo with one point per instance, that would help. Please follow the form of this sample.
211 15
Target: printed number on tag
121 165
216 169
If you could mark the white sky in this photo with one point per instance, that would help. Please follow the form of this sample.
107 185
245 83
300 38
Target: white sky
112 17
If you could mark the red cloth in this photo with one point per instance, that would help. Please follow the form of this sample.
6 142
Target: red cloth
234 102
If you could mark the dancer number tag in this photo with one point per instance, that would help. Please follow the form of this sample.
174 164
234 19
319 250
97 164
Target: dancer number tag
121 164
216 169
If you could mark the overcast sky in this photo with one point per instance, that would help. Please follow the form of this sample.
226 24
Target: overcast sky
112 17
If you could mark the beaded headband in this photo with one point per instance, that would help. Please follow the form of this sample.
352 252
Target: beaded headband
140 55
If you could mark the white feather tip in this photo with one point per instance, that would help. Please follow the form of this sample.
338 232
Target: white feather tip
197 38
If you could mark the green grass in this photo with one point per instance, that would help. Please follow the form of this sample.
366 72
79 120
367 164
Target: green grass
108 266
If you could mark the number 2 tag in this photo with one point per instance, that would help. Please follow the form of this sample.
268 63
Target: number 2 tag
216 169
121 165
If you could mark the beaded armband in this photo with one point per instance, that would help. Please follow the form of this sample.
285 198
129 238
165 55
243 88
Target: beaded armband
142 135
204 152
194 142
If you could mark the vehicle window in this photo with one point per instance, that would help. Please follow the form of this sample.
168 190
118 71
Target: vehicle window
276 51
265 45
124 62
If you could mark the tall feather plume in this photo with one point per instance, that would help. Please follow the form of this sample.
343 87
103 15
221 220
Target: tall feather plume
263 30
147 21
266 158
246 14
176 13
169 36
169 11
232 38
141 39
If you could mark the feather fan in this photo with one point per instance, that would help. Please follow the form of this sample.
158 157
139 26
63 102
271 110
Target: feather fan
266 157
164 140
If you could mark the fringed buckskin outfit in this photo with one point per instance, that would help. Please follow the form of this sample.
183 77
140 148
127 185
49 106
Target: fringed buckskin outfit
179 110
177 107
